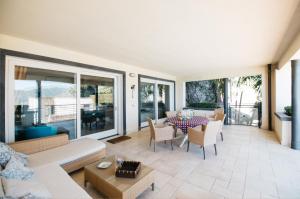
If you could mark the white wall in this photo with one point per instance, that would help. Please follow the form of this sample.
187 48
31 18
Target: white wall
180 94
293 52
283 87
283 131
18 44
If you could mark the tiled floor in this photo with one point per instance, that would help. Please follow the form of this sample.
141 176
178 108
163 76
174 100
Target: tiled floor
250 165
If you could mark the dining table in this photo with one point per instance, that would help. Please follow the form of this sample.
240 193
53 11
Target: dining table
184 124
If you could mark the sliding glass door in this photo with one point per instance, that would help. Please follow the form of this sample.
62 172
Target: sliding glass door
156 97
44 99
96 104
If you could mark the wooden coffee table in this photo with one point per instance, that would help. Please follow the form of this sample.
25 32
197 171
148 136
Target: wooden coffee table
105 181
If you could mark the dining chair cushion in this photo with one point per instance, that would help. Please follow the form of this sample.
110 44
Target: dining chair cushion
166 133
196 135
211 131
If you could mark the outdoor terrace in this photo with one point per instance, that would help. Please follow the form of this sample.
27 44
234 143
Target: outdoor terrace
250 164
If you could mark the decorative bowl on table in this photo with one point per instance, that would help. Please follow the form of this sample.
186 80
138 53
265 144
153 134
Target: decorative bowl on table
128 169
104 165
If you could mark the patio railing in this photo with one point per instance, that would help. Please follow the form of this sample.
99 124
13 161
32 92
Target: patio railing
245 114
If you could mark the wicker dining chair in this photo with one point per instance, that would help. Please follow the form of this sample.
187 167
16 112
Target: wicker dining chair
171 114
161 133
216 111
221 117
204 135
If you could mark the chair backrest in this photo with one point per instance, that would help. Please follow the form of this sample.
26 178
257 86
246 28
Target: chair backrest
152 128
199 113
171 114
219 110
220 116
211 131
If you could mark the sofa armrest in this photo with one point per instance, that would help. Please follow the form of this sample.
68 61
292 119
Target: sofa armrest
84 161
40 144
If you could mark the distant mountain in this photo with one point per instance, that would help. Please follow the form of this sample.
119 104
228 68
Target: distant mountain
21 96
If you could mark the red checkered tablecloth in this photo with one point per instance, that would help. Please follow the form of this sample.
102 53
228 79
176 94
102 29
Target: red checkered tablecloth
184 124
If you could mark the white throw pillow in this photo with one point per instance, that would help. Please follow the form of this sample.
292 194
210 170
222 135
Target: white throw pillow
5 154
22 158
25 189
16 170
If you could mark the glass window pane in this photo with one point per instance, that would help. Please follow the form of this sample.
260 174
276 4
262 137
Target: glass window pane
163 100
147 101
45 103
96 104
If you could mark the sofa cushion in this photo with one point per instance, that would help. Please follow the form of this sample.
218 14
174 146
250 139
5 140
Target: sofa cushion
5 153
15 169
25 188
66 153
59 183
22 158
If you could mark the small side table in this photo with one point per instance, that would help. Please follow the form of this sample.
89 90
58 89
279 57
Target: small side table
105 181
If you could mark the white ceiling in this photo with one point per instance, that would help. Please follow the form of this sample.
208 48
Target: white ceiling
179 37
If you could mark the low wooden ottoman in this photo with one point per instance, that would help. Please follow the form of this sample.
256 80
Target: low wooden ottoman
105 181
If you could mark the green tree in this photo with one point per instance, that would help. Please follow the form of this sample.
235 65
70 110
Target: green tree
254 81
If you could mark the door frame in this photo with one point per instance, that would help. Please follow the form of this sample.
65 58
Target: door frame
117 104
158 80
4 53
11 62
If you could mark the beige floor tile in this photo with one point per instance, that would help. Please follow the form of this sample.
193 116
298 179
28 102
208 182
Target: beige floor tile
161 179
167 191
149 194
251 194
189 191
236 187
201 180
220 190
250 164
176 182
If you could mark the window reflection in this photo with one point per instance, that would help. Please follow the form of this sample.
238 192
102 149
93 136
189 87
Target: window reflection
163 100
147 101
96 104
45 103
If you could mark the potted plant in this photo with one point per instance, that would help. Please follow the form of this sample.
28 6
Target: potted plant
288 110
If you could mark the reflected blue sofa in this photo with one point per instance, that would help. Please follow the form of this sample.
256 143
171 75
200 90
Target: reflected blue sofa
40 131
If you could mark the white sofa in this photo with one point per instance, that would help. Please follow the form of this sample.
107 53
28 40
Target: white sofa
58 182
51 165
66 153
